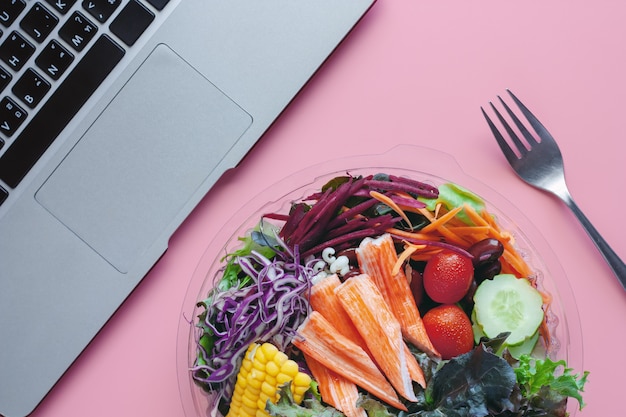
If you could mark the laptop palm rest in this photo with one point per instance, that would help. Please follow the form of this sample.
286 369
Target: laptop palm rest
119 206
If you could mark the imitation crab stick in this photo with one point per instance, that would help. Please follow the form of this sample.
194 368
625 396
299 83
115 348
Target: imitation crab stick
323 299
317 338
335 389
377 258
370 313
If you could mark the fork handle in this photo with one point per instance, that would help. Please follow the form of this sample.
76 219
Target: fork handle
614 261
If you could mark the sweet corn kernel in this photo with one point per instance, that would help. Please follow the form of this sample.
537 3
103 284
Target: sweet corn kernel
302 380
263 369
272 368
268 389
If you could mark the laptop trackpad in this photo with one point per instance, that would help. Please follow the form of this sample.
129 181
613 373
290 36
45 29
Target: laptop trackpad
136 167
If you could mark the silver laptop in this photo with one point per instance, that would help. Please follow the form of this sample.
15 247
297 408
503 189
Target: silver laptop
116 118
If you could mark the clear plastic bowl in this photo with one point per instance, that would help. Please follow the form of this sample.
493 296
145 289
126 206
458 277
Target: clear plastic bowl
423 164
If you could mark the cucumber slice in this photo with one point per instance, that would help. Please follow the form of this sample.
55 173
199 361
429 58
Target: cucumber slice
508 304
524 348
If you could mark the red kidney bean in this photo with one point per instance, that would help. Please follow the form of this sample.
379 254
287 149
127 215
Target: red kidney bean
487 271
486 251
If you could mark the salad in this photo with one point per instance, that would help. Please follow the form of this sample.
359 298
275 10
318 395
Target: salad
380 295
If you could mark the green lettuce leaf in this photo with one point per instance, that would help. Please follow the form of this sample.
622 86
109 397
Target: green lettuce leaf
451 196
373 407
311 406
544 382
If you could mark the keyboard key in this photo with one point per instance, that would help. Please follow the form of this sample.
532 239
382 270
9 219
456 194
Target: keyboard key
15 50
9 10
101 10
78 31
1 143
158 4
39 22
11 116
59 109
30 88
5 78
4 194
54 59
61 6
131 22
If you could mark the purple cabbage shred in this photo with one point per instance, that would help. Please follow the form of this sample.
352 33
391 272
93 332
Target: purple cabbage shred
269 309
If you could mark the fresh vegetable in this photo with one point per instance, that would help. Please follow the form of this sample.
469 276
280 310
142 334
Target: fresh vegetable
448 276
508 304
268 308
263 370
453 196
311 406
546 385
450 330
342 284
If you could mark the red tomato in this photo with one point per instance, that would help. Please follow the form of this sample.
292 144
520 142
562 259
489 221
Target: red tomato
448 276
449 330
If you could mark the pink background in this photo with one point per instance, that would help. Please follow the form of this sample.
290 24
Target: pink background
415 72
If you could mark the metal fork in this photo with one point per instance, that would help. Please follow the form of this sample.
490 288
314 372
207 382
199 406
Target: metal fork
541 165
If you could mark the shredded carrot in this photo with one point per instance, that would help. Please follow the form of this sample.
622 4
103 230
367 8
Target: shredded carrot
388 201
452 237
469 230
406 254
441 220
474 216
426 213
414 235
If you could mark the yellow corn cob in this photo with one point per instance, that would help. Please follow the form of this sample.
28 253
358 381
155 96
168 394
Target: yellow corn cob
263 370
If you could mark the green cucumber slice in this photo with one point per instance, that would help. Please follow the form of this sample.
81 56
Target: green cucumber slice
508 304
524 348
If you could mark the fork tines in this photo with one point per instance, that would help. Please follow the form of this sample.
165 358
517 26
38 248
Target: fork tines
519 146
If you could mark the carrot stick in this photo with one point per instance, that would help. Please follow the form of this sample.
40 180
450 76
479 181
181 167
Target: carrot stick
441 220
371 315
474 216
335 389
377 258
452 237
426 213
414 235
317 338
469 230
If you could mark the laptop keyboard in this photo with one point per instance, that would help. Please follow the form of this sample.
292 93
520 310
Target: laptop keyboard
53 56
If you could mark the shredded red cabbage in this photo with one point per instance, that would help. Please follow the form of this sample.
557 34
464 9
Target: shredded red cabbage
270 309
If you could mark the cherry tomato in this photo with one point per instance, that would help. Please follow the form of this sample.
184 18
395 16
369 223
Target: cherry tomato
448 276
449 330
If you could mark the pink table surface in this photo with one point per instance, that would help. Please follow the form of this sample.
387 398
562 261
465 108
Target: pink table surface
415 72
